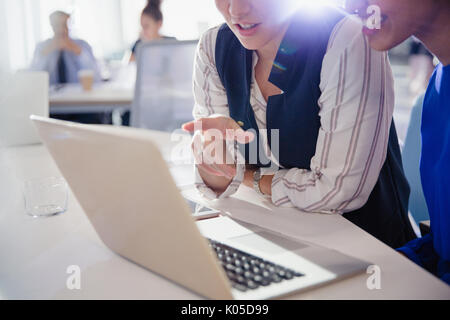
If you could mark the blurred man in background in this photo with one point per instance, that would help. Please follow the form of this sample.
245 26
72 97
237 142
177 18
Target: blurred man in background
61 56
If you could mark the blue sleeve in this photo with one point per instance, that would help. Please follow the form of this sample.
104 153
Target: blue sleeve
40 62
420 251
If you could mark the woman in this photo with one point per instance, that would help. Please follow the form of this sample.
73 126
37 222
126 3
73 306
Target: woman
151 23
315 80
429 22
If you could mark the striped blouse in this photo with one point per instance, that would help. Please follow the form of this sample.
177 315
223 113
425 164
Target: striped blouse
356 107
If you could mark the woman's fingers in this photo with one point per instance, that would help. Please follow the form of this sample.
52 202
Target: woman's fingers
218 170
189 126
209 170
197 147
209 159
227 128
210 135
225 169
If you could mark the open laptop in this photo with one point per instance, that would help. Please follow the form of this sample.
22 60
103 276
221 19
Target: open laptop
126 190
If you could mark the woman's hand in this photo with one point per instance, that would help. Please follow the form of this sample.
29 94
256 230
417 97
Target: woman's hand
213 137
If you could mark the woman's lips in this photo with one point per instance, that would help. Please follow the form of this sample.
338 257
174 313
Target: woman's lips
369 32
247 29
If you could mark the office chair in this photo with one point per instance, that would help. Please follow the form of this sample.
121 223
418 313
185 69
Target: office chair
411 161
163 94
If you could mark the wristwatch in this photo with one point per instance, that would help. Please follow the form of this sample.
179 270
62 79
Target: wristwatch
256 179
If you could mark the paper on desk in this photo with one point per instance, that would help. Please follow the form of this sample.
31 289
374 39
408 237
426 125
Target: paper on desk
327 230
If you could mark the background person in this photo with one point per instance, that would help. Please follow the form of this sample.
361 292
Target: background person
151 23
429 22
61 56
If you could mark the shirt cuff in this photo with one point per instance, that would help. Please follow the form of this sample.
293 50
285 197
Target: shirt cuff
279 197
231 189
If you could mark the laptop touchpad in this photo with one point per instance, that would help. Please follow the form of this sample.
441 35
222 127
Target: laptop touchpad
268 242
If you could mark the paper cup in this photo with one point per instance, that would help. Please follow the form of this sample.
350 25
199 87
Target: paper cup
86 78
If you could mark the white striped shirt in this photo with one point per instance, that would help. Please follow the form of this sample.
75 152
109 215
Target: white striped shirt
356 106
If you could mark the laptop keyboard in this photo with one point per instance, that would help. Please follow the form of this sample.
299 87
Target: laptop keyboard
248 272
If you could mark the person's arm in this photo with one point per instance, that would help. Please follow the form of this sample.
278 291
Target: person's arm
72 46
133 51
356 104
86 58
210 101
41 61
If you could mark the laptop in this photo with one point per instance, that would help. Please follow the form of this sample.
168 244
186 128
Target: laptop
127 192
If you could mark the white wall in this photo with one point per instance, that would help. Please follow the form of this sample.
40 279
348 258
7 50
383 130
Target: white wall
130 15
187 19
4 48
110 26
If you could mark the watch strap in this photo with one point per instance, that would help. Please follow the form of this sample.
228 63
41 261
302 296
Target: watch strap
256 179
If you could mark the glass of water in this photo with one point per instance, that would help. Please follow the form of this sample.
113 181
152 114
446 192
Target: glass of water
45 197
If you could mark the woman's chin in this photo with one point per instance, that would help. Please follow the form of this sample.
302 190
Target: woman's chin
386 37
250 44
379 44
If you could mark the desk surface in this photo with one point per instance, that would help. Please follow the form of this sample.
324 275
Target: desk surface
35 253
110 93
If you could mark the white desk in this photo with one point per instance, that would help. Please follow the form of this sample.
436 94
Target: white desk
104 97
35 253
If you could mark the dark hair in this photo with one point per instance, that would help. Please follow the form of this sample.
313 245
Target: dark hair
153 10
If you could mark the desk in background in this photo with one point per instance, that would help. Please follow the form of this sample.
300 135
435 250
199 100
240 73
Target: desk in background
105 97
35 253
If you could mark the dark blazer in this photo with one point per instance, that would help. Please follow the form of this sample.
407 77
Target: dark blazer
295 113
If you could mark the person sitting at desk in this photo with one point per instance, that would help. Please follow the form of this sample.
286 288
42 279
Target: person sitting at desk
151 23
319 102
61 56
429 22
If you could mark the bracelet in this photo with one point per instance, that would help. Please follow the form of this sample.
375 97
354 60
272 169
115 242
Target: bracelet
256 179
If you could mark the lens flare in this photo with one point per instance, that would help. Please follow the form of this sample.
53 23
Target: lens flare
315 6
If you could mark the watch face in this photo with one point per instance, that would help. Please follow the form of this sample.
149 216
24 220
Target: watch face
257 174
